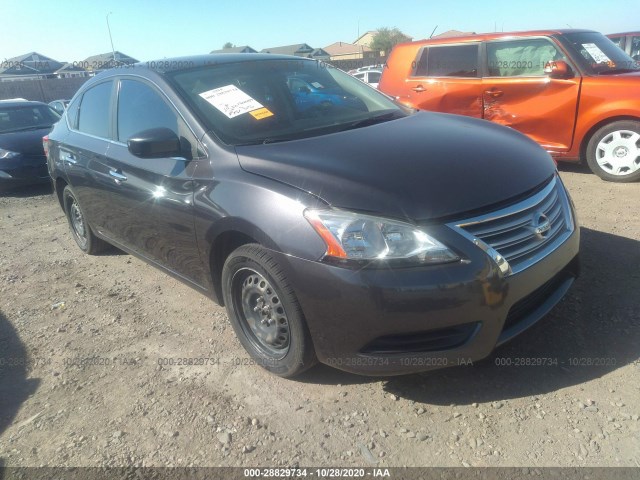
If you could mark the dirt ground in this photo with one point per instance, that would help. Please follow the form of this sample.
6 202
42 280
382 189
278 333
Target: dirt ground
87 346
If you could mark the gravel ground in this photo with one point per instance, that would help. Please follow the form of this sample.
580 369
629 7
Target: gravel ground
86 346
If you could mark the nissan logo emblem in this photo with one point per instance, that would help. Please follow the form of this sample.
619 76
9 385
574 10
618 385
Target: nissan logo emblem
540 225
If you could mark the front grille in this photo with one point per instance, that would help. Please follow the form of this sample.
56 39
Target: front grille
421 342
523 233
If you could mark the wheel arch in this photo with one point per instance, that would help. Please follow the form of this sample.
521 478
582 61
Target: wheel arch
230 234
597 126
60 183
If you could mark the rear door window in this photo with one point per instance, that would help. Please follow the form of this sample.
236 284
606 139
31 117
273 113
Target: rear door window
448 61
521 58
93 116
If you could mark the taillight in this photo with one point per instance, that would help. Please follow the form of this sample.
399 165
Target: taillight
45 145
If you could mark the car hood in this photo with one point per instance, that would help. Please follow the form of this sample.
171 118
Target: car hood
421 167
28 142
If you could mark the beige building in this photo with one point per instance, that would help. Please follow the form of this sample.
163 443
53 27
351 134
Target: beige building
348 51
366 38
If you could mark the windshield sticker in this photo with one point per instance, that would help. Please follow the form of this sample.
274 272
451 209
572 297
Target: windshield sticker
261 113
317 85
595 52
231 101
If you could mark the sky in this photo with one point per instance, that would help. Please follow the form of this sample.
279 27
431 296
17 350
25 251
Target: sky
72 30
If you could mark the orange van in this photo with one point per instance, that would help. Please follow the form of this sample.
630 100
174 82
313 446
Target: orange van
572 91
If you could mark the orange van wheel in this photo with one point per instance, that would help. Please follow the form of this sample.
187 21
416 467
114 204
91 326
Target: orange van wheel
613 152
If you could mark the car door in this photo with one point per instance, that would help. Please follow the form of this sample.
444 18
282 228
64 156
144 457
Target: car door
445 79
373 78
518 94
152 199
83 153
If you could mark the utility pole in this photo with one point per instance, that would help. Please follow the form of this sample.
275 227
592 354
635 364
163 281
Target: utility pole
113 51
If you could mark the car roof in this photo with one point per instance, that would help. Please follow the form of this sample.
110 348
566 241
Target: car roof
178 63
20 103
478 37
622 33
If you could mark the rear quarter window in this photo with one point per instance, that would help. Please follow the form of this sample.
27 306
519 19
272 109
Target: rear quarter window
448 61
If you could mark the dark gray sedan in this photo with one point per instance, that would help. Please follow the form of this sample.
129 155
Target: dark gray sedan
363 235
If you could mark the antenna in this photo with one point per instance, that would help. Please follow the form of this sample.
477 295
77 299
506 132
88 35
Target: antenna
434 31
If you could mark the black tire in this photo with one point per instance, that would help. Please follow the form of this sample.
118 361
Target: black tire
603 162
80 229
265 313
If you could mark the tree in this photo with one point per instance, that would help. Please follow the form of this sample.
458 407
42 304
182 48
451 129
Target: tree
228 45
386 38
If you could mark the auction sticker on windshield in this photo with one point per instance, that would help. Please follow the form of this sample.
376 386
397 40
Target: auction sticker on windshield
231 101
595 52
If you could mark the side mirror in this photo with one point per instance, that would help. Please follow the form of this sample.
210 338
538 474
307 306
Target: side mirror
558 69
155 143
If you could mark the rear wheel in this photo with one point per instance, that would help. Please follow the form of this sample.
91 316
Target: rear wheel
265 313
613 153
80 229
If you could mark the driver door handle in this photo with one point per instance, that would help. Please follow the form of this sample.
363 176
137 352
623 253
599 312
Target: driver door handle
117 176
419 89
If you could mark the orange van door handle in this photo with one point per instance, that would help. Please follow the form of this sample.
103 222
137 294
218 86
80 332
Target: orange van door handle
494 93
419 89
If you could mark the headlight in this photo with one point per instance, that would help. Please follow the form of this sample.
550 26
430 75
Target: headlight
352 236
7 154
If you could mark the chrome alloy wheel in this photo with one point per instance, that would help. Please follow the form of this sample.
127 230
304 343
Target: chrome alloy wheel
618 153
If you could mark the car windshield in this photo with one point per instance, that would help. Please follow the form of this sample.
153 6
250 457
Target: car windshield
265 101
598 54
26 117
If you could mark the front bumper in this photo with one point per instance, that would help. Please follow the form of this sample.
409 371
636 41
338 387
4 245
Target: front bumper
398 321
23 170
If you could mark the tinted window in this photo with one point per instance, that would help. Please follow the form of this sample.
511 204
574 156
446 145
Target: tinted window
93 116
521 58
72 112
28 117
449 61
374 77
141 108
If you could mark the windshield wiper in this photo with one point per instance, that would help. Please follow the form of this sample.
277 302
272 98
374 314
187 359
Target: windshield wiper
365 122
618 70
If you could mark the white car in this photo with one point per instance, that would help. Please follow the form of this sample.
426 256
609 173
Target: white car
372 77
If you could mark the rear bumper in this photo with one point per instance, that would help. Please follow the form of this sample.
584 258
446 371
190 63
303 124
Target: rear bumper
390 322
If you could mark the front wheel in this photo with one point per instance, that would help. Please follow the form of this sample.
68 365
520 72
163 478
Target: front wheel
613 152
265 313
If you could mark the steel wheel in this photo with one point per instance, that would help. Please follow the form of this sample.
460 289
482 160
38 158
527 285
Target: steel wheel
618 153
265 313
77 221
262 315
